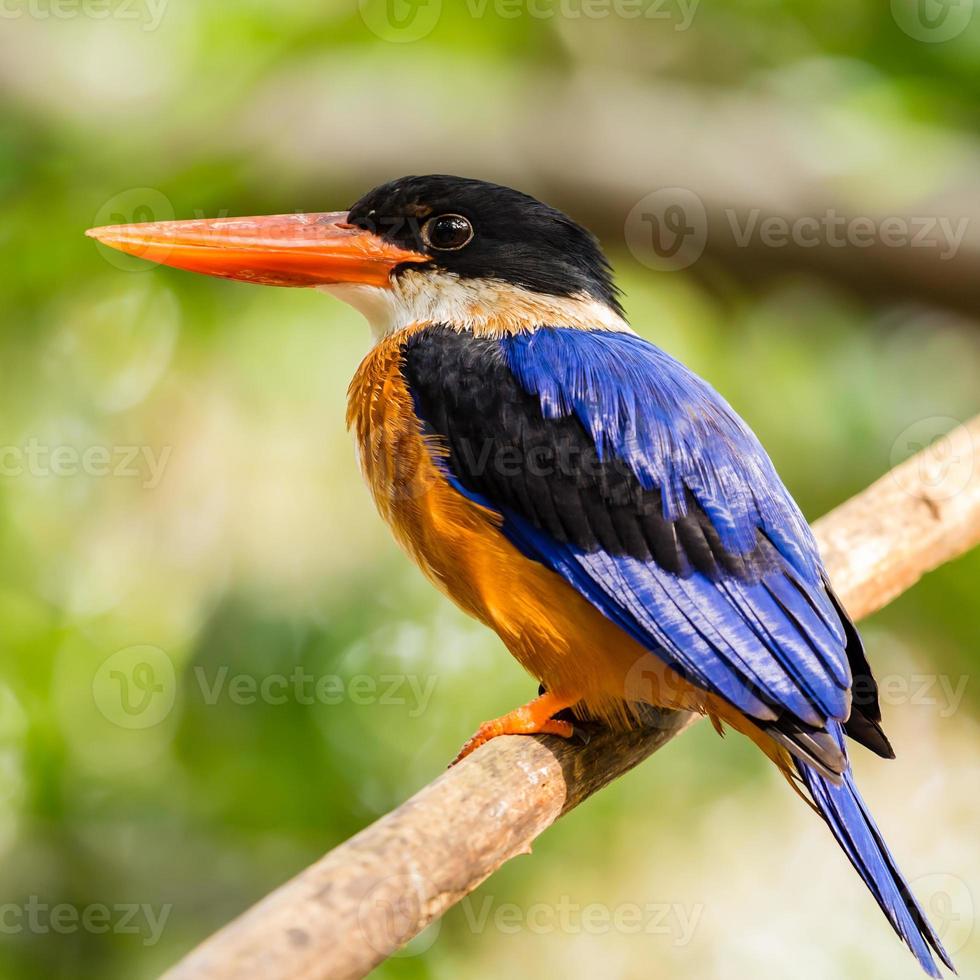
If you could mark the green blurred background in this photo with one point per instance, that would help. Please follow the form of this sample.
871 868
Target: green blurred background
182 521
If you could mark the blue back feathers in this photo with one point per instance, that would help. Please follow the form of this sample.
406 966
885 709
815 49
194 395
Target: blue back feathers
672 428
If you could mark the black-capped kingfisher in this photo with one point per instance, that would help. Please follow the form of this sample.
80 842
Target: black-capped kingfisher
575 488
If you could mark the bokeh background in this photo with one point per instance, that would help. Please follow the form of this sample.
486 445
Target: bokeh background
183 528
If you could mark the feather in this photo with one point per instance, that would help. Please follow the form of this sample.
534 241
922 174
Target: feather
854 828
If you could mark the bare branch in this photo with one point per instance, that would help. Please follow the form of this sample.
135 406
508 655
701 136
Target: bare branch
343 915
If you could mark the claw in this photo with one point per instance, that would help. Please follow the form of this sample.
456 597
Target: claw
534 718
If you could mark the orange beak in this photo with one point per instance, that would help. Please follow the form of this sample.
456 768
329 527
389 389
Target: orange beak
277 250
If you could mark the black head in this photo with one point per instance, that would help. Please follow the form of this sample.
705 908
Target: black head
478 230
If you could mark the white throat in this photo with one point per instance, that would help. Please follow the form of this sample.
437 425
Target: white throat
481 305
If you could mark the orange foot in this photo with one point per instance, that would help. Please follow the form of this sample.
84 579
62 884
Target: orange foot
533 718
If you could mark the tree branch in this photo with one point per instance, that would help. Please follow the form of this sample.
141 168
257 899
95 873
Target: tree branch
358 904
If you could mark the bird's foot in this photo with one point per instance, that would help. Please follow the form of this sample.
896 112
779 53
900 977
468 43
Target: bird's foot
583 726
533 718
583 729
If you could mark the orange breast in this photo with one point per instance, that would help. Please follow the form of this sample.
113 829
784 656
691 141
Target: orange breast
553 632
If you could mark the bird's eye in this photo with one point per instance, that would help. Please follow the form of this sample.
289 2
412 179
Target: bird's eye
447 233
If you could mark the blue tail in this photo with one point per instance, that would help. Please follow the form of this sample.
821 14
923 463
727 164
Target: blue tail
855 830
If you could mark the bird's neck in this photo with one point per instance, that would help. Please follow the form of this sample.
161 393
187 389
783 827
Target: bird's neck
484 306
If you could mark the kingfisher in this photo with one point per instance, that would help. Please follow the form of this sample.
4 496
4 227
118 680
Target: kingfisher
574 487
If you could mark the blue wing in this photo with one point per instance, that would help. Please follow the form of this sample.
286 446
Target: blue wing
737 602
779 636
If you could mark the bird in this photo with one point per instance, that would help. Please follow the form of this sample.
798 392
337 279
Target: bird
574 487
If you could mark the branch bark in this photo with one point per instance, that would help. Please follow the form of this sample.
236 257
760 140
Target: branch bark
359 903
